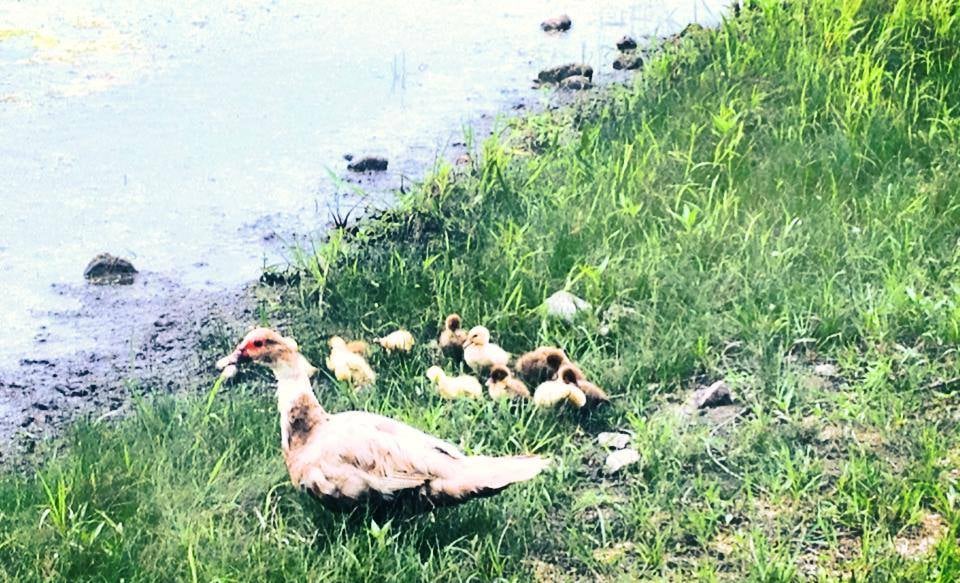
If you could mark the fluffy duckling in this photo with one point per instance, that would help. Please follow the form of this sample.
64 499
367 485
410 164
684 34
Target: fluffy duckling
398 340
541 365
452 337
358 347
503 384
481 354
454 387
572 375
347 365
553 393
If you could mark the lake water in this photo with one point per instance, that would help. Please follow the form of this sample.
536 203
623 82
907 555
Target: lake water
185 137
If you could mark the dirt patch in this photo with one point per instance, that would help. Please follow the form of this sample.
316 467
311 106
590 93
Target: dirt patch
148 336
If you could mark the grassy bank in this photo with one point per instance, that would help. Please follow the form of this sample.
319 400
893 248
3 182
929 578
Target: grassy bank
775 195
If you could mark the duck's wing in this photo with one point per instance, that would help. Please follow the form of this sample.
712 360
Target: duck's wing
357 455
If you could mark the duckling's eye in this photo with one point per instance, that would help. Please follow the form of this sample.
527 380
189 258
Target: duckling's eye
258 343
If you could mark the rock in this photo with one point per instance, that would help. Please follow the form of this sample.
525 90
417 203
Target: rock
619 459
368 164
614 440
107 269
626 43
628 61
825 370
561 23
716 395
561 72
565 306
576 83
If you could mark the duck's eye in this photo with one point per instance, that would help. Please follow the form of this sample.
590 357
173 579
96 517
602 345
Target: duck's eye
258 343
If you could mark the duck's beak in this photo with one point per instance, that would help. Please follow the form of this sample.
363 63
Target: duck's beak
238 356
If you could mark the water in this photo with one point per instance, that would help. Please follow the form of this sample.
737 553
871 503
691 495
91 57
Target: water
184 137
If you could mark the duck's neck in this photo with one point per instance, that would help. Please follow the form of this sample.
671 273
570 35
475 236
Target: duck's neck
293 382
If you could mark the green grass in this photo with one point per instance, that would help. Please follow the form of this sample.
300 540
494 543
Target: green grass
776 194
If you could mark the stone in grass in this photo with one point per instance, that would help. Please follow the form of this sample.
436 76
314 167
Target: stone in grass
561 23
561 72
628 61
825 369
626 43
716 395
615 440
565 306
368 164
106 269
576 83
619 459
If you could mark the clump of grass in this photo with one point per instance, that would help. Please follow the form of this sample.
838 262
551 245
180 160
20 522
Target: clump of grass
770 196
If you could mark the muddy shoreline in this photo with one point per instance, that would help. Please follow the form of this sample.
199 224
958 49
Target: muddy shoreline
148 337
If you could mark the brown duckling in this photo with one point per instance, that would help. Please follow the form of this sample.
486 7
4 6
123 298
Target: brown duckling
540 365
502 384
452 337
572 375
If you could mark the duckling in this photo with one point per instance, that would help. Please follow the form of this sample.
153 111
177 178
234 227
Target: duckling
355 346
452 337
503 384
479 353
358 347
454 387
347 365
541 364
398 340
572 375
553 393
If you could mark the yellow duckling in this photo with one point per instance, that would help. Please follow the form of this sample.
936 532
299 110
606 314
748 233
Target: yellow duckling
553 393
398 340
452 337
454 387
481 354
503 384
347 365
359 347
541 364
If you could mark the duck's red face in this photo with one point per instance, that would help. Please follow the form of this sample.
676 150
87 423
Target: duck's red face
259 345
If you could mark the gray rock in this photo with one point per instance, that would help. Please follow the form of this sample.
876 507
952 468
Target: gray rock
368 164
716 395
619 459
825 369
629 61
626 43
105 269
614 440
561 72
561 23
565 306
576 83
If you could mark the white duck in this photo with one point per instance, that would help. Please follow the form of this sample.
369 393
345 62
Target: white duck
481 354
352 458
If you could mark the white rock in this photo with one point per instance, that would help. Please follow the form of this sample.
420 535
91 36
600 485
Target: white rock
565 306
619 459
614 440
716 395
825 370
